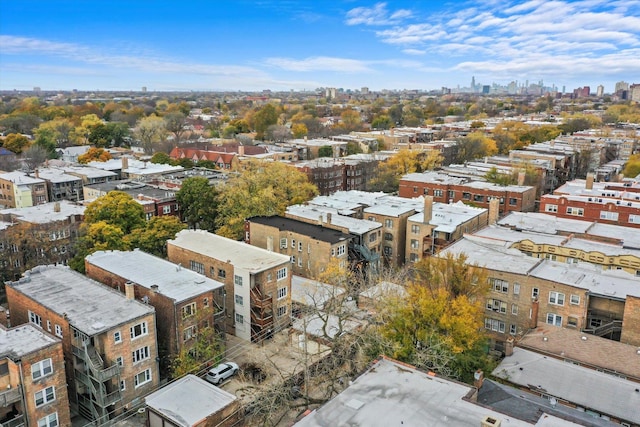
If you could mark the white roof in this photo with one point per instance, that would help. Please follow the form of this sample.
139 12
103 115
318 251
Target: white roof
434 178
91 307
189 400
18 177
56 175
573 383
136 167
45 213
447 217
384 289
394 394
324 325
175 282
354 225
24 339
239 254
544 223
311 292
89 172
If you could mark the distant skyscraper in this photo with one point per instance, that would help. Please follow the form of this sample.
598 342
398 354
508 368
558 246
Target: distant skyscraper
144 89
473 84
600 91
622 85
365 90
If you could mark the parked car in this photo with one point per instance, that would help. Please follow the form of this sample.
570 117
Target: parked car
221 372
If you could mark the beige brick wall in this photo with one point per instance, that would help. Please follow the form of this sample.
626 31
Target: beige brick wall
631 322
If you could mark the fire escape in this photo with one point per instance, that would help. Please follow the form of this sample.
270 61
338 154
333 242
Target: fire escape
363 258
97 386
13 397
261 314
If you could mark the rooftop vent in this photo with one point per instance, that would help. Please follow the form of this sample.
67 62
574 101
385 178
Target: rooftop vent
489 421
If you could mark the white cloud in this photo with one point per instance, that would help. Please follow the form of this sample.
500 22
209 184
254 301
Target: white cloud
376 15
414 51
320 63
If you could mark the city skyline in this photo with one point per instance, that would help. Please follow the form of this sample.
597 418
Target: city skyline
245 45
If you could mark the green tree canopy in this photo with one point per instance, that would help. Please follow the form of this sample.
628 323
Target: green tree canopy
153 237
16 142
116 208
198 203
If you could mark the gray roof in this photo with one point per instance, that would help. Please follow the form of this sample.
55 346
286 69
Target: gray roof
575 384
56 175
447 217
354 225
88 171
311 292
22 340
189 400
173 281
314 231
393 394
18 177
91 307
239 254
46 213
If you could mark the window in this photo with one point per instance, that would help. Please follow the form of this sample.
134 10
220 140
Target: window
283 243
387 251
196 266
554 319
58 331
239 300
512 329
634 219
414 257
299 246
574 299
205 302
117 337
189 333
299 261
239 319
535 292
575 211
372 237
282 311
45 396
499 285
415 244
341 250
425 191
35 319
41 369
293 243
437 193
415 229
282 292
222 273
494 325
49 325
188 310
123 385
551 208
452 194
142 378
293 259
478 198
572 322
514 309
513 201
612 216
237 280
50 420
551 257
140 354
516 288
138 330
388 223
466 196
166 209
281 273
496 305
120 360
388 236
556 298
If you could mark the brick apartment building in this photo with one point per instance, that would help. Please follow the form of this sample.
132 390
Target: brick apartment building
310 247
340 174
185 301
18 190
32 378
447 189
108 340
257 282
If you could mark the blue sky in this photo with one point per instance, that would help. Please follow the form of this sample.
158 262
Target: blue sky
289 44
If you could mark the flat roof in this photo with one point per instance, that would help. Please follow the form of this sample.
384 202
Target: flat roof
544 223
46 212
173 281
391 393
447 217
18 177
22 340
324 325
595 351
56 175
240 254
189 400
313 293
573 383
314 231
136 167
434 178
89 172
91 307
354 225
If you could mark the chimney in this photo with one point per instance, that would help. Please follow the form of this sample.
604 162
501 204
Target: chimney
320 220
552 143
270 243
521 176
125 163
328 217
428 209
37 173
478 379
56 207
508 347
589 183
129 290
392 131
240 150
305 138
494 210
154 288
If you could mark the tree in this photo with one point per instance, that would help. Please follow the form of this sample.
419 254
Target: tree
16 142
94 154
438 323
632 168
60 130
325 151
263 118
34 156
499 178
161 158
45 141
150 131
116 208
153 237
388 176
175 123
574 125
207 348
261 188
475 145
350 120
198 203
97 236
299 130
278 133
382 122
108 135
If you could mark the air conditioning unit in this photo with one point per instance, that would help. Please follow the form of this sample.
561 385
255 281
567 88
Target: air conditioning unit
490 421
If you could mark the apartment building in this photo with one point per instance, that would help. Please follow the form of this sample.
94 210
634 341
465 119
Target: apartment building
19 190
185 301
257 282
108 340
32 379
60 185
447 189
310 247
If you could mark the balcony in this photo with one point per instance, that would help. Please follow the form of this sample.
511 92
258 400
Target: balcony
261 320
258 300
95 363
16 422
10 396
